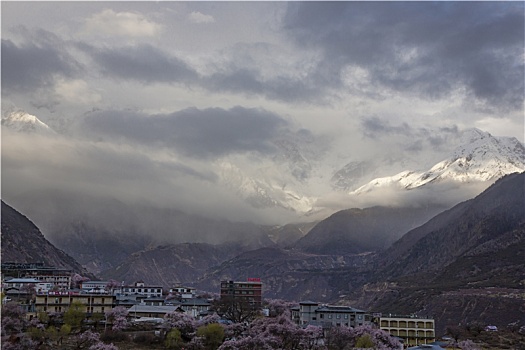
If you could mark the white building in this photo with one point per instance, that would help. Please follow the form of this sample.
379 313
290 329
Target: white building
183 292
311 313
141 289
97 287
22 284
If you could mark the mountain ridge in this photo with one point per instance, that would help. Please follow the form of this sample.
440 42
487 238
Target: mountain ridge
481 157
23 242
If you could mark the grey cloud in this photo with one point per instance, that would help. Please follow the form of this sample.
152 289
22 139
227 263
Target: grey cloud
27 67
374 126
249 82
428 49
407 138
148 64
206 133
143 63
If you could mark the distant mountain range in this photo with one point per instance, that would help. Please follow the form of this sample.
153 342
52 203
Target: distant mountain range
465 264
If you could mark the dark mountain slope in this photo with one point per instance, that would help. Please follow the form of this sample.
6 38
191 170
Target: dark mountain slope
291 274
169 265
354 231
479 223
23 242
465 265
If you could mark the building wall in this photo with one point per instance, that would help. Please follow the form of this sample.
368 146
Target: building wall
57 276
413 331
149 291
325 316
246 291
60 302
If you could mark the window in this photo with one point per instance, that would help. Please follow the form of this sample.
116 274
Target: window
338 316
329 316
346 317
321 316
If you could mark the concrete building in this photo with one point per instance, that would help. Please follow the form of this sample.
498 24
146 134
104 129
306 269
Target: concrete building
156 311
61 301
249 291
59 277
141 289
311 313
15 285
412 329
183 292
96 287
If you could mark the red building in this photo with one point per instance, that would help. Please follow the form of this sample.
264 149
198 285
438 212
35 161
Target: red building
249 291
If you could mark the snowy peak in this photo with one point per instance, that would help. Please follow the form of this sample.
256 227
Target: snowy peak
21 121
481 157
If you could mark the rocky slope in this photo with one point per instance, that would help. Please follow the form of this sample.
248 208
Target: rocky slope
485 222
290 274
465 265
23 242
170 265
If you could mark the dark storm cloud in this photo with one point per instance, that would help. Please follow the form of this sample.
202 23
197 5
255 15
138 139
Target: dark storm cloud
424 48
376 127
206 133
27 67
143 63
249 82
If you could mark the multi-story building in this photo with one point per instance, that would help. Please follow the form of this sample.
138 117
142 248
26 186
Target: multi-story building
141 289
249 291
412 330
61 301
15 285
59 277
98 287
311 313
183 292
156 311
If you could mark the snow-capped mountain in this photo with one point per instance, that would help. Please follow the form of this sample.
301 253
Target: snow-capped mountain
306 175
24 122
300 176
481 157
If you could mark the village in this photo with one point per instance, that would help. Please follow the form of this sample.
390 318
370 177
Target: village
42 290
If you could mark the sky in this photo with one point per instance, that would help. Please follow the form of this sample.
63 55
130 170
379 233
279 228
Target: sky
158 99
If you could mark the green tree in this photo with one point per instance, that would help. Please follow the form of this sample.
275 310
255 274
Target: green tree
75 315
52 334
36 333
43 317
64 331
364 342
96 318
173 339
213 335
